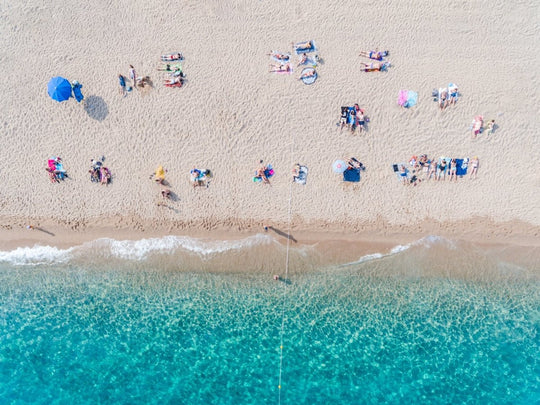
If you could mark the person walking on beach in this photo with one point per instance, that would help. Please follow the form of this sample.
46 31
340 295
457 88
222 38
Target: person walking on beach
122 82
133 76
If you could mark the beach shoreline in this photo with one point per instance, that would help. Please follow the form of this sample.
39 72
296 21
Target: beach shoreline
21 232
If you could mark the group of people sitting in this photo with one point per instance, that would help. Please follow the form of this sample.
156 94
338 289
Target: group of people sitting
380 66
436 168
353 117
477 126
98 172
282 61
446 95
55 168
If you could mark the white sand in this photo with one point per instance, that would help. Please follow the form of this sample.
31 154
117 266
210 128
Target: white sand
232 112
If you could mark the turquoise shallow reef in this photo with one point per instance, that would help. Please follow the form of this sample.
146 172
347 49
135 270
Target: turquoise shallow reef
159 328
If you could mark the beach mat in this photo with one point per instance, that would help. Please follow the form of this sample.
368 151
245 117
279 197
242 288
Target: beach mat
351 175
461 166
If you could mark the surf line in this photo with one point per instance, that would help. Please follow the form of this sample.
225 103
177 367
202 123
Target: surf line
286 280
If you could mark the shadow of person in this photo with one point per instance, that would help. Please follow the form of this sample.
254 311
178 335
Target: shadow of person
37 228
96 108
281 233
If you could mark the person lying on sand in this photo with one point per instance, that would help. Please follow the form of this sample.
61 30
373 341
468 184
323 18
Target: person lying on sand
375 67
280 68
376 55
443 99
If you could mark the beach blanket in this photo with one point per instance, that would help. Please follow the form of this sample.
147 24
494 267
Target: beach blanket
172 57
285 57
351 175
407 98
299 50
309 79
462 165
302 175
269 172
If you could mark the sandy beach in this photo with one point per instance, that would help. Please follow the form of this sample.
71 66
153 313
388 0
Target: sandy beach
232 112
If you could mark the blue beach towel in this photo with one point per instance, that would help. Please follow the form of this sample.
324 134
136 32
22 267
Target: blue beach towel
351 175
461 166
269 172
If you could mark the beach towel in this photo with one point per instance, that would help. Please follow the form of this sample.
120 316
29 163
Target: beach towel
309 79
396 168
172 57
300 50
461 166
286 57
351 175
302 175
77 93
407 98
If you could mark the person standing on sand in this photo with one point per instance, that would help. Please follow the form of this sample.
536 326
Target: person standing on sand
133 75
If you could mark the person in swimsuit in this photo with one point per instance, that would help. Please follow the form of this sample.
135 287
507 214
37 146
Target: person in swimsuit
490 127
441 170
432 169
443 99
133 75
453 170
374 66
309 73
403 174
376 55
279 56
261 172
280 68
474 167
453 95
304 45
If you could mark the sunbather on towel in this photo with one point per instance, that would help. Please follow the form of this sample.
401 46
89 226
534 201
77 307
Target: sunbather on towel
377 55
403 174
453 95
280 68
443 99
304 45
280 56
309 73
304 59
174 81
261 172
105 175
375 66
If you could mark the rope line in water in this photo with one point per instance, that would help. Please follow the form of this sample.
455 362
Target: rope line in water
285 282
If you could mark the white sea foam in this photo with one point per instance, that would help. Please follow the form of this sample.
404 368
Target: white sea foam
427 242
36 255
129 249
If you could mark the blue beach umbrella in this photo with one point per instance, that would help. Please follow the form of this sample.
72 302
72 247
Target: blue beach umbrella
59 89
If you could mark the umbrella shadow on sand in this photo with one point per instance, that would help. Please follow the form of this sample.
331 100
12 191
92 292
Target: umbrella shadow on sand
96 108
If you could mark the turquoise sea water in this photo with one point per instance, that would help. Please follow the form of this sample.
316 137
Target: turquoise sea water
171 326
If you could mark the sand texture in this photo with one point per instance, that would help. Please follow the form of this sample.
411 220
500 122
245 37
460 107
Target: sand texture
233 112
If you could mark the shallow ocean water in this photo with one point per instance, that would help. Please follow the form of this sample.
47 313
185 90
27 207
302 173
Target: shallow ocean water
435 322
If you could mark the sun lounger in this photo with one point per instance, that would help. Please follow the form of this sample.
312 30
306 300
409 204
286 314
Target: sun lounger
302 175
351 175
